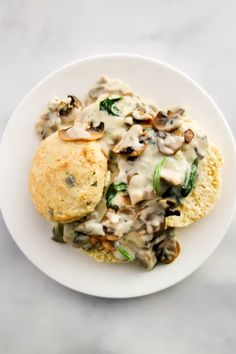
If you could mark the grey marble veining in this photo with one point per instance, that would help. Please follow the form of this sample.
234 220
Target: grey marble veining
38 315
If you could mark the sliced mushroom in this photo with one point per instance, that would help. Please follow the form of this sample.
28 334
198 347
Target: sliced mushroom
120 222
133 143
112 237
141 114
169 144
48 124
108 245
146 257
152 216
188 136
167 251
65 109
177 111
167 123
170 202
107 86
81 132
81 240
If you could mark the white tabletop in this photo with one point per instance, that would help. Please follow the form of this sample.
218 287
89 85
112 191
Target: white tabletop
38 315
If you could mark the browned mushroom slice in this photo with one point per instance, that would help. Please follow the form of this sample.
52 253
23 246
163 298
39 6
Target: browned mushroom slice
167 251
152 216
82 132
133 143
141 114
170 202
75 102
166 123
188 136
169 144
178 111
64 107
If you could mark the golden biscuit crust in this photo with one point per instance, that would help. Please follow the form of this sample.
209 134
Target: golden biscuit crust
67 178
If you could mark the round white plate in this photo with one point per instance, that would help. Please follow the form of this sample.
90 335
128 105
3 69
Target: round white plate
32 233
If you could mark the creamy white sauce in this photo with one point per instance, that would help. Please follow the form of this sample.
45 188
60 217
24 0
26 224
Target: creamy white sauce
78 131
133 223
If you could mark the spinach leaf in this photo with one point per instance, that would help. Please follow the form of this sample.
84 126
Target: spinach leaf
129 257
190 179
107 105
157 175
112 190
57 233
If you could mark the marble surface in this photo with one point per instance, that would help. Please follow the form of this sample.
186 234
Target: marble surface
38 315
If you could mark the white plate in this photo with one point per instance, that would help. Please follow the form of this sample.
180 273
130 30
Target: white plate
32 233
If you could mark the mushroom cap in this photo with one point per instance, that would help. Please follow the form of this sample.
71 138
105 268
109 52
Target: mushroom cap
165 122
81 132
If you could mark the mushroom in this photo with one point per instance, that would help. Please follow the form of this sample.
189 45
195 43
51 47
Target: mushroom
201 147
107 86
134 141
167 251
167 123
146 257
188 136
141 114
67 107
48 124
82 132
96 92
170 202
119 223
169 144
166 247
177 111
82 241
108 245
152 216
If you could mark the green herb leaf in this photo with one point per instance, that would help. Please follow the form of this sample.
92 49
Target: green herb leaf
157 175
190 179
112 190
57 232
126 254
108 106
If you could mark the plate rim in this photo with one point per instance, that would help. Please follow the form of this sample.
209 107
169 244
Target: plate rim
128 56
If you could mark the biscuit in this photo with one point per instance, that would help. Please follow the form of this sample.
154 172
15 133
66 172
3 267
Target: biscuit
67 178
